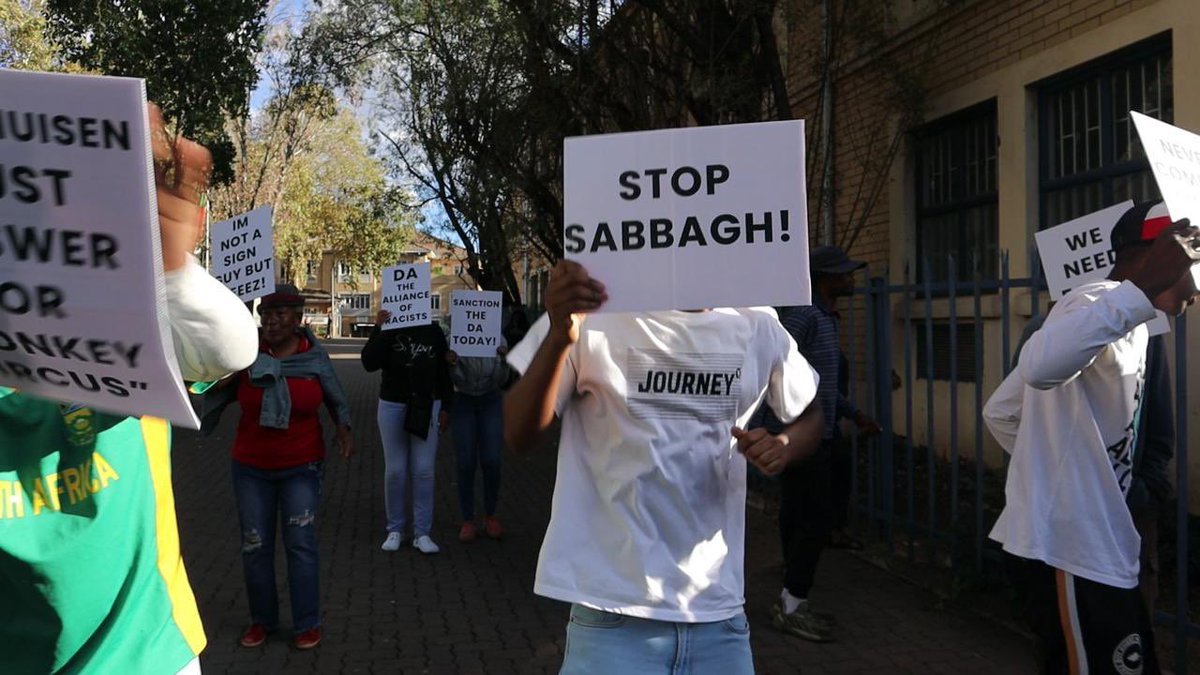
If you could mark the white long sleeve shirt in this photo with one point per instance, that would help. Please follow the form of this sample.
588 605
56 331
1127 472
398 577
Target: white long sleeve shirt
213 333
1067 415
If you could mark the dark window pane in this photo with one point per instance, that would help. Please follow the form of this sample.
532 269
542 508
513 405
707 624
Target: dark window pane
957 199
1091 155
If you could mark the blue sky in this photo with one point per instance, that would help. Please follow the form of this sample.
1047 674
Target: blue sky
280 13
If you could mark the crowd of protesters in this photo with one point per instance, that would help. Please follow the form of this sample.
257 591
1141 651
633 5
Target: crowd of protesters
647 530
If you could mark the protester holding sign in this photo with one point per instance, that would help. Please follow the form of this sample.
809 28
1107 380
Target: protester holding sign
478 427
647 529
278 462
414 392
1070 416
90 571
1150 487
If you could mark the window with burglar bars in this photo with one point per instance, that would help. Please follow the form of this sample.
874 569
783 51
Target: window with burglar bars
960 351
1091 157
957 204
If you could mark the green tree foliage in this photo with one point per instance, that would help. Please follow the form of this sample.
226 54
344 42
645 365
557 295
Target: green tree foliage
304 154
197 56
479 94
24 44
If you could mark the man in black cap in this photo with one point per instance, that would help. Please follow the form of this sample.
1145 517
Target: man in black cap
815 493
1071 415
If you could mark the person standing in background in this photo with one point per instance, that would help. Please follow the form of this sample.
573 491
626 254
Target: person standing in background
414 394
278 463
478 427
810 499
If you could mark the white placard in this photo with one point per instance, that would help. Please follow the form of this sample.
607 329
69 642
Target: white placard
690 218
83 312
406 295
1078 252
243 253
1174 156
475 322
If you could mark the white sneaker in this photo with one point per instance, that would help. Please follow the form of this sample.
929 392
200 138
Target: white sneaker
425 545
392 543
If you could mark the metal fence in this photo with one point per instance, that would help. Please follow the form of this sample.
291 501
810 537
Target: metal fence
934 503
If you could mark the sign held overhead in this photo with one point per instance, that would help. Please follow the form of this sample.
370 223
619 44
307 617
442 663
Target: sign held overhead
243 253
475 322
83 315
690 218
406 296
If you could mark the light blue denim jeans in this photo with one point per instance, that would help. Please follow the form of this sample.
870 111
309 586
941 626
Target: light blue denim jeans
602 643
405 456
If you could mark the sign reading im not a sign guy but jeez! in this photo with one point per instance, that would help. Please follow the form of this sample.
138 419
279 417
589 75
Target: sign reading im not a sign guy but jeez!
83 315
690 218
1078 252
475 322
406 296
243 253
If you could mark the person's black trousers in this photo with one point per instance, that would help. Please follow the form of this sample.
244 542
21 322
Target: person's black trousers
805 518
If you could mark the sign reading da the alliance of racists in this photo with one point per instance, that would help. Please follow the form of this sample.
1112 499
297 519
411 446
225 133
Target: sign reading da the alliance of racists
83 315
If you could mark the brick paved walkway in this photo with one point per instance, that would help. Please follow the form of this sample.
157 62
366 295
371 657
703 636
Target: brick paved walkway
470 608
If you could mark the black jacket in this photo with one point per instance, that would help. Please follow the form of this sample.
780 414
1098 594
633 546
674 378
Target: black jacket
413 361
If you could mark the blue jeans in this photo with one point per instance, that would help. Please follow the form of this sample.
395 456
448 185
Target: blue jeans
478 426
264 496
403 454
601 643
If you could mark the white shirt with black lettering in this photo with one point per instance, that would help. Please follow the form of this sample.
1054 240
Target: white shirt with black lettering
648 518
1067 414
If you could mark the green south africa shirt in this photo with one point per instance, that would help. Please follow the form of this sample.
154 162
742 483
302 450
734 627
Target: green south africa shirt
91 579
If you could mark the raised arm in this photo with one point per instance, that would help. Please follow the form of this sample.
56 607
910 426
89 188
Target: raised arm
1078 330
1002 413
212 332
531 405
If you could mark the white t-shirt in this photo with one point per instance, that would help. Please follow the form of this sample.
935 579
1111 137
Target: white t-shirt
1067 415
649 505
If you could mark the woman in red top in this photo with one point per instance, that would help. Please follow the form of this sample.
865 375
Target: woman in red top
277 464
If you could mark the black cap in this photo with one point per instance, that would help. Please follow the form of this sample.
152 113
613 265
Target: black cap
1142 222
832 260
285 295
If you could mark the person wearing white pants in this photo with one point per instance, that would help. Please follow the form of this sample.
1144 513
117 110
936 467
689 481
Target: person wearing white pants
414 391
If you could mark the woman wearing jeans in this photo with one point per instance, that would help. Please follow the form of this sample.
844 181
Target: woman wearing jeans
278 456
414 388
478 427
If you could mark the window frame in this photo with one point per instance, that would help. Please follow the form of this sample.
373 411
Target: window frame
1109 171
963 205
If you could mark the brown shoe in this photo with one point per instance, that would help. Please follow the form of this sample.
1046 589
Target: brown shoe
255 635
491 525
468 533
308 639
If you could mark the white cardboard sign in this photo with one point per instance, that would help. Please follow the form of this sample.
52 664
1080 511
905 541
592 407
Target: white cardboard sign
406 295
475 322
243 253
83 311
690 218
1078 252
1174 156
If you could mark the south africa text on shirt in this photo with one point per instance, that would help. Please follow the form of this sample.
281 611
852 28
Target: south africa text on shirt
53 491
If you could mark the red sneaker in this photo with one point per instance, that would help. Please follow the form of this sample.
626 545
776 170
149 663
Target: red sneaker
491 525
254 636
468 533
308 639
